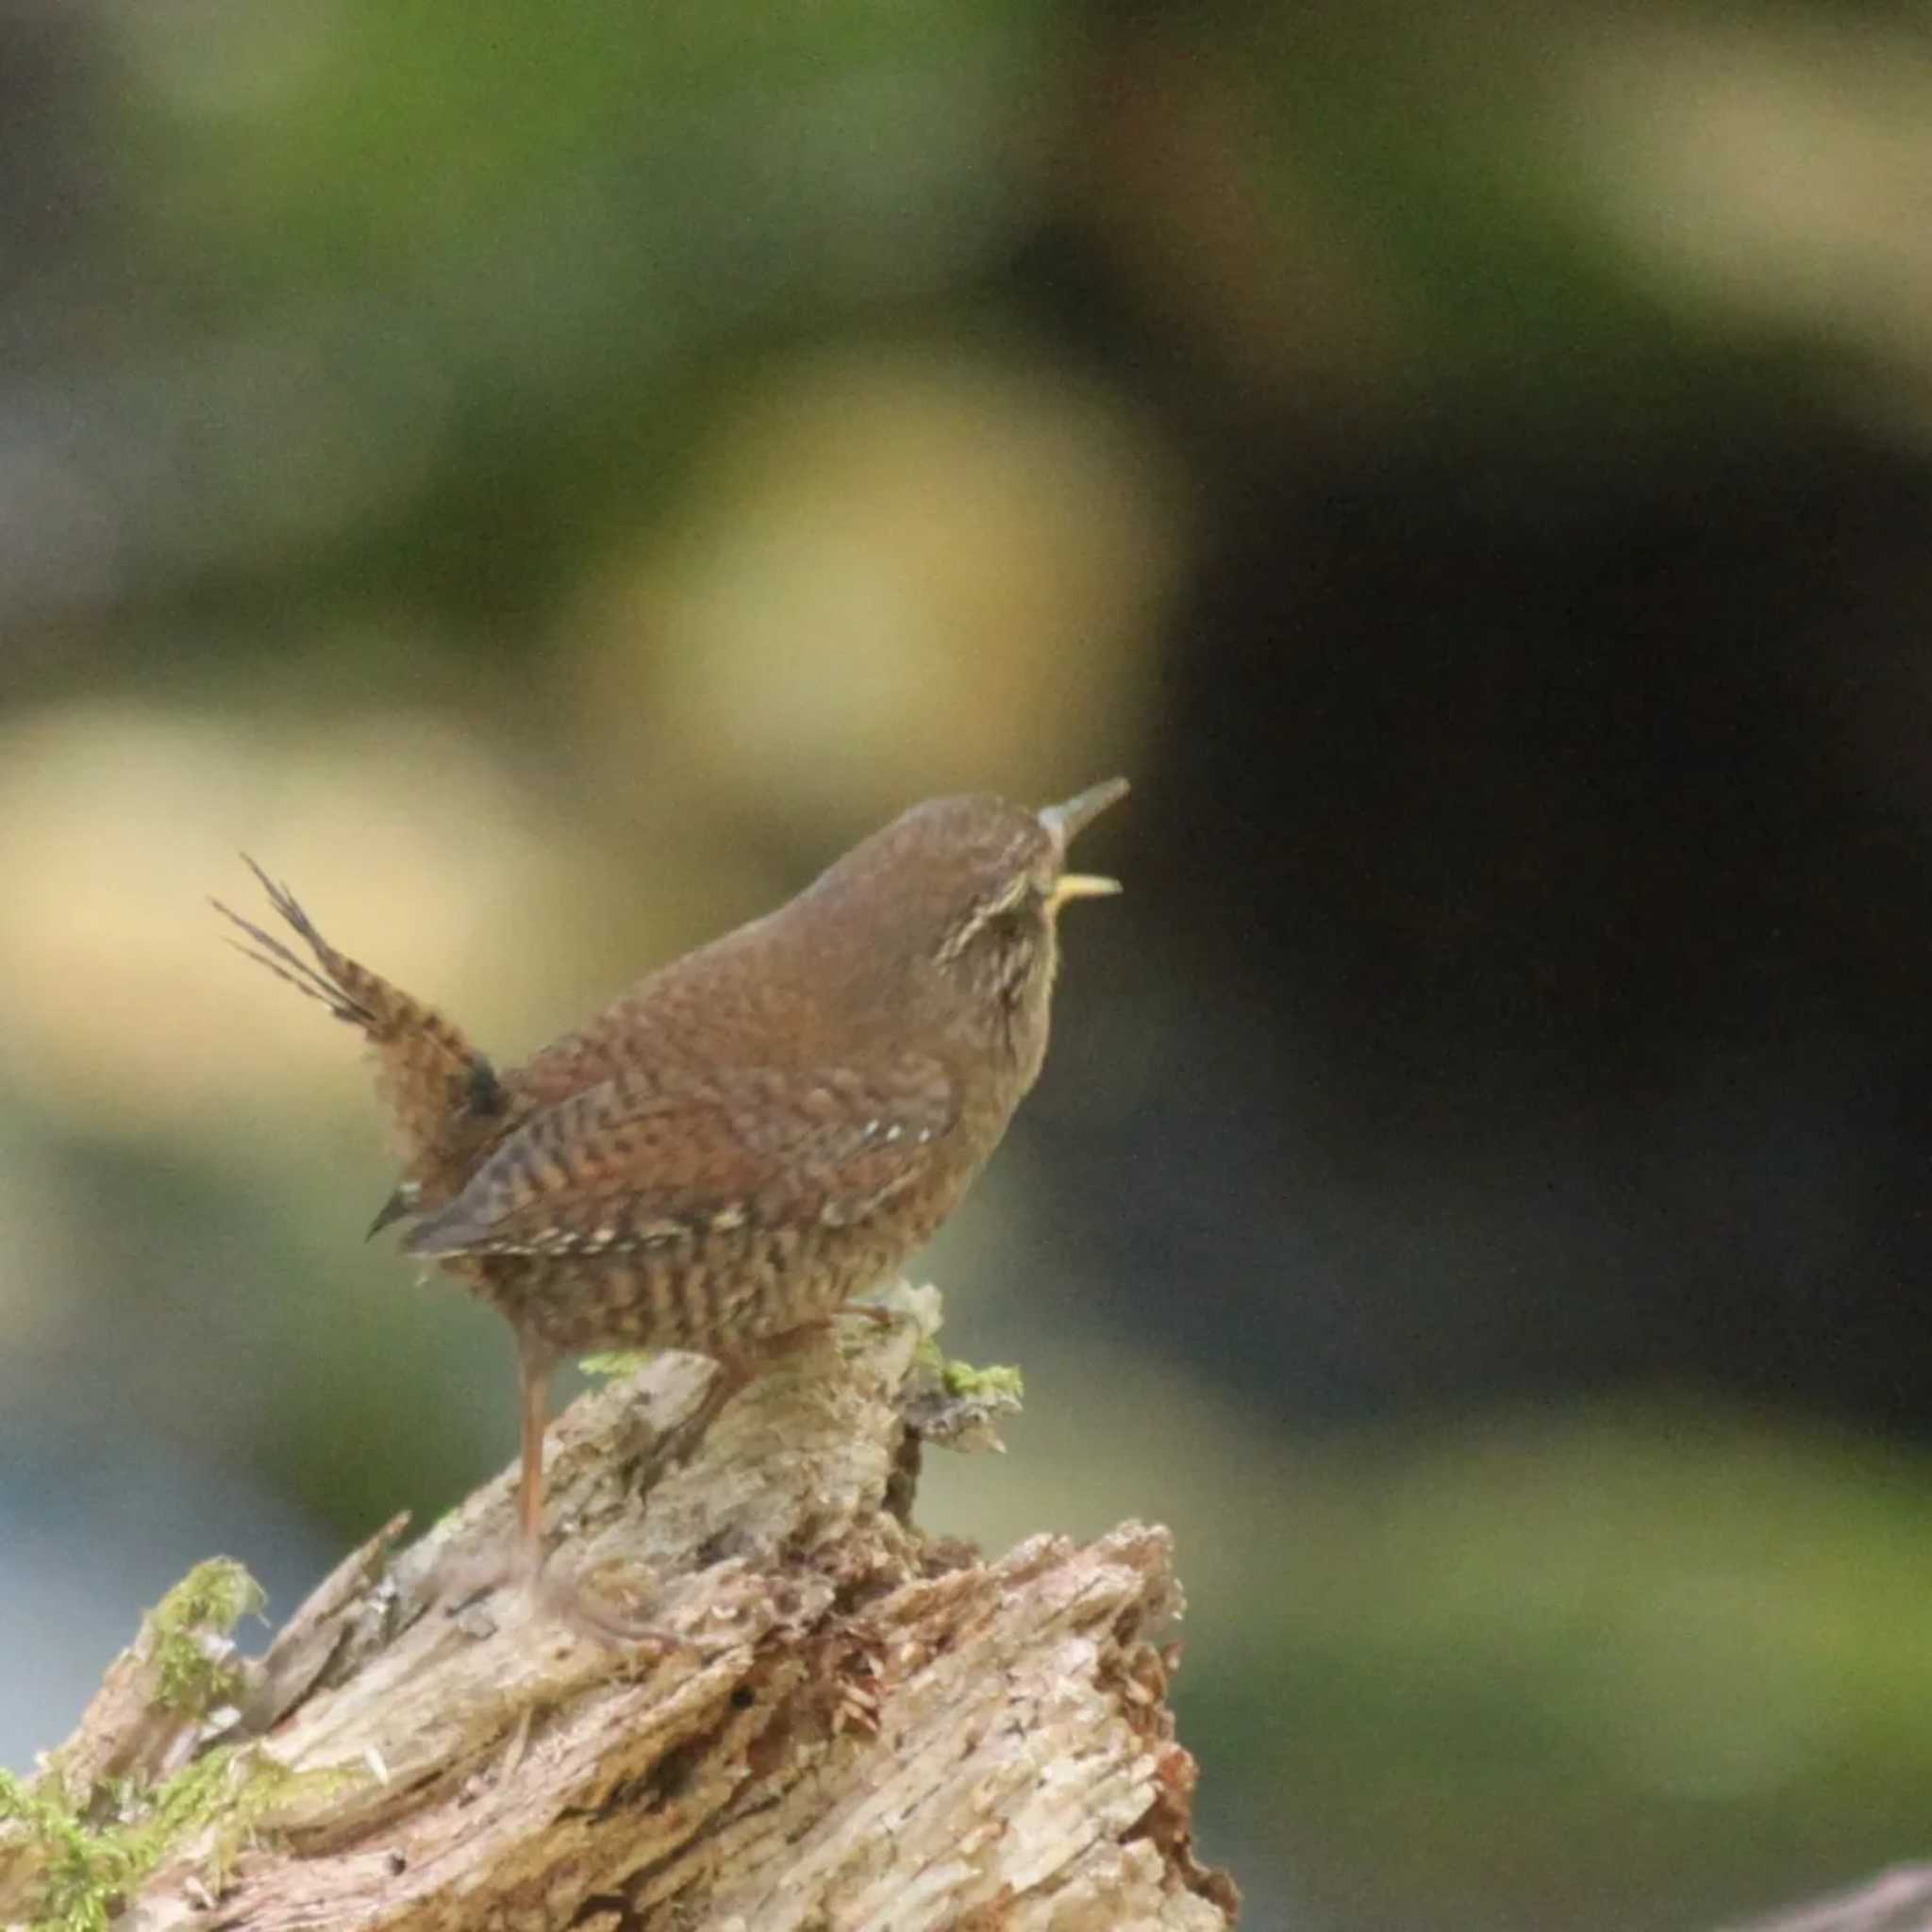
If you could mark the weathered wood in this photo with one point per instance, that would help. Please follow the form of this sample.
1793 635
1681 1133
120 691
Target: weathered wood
1897 1900
851 1725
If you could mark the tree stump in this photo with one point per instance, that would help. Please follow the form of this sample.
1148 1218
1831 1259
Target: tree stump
848 1726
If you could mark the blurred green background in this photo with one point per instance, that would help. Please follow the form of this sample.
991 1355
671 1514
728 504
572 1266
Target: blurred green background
545 478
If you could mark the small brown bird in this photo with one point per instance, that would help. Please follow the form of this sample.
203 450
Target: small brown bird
754 1133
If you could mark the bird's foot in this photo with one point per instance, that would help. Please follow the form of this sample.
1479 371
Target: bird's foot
613 1617
458 1582
556 1592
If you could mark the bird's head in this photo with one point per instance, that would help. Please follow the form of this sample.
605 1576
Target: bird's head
963 897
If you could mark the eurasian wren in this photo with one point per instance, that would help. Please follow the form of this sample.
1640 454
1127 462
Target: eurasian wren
756 1132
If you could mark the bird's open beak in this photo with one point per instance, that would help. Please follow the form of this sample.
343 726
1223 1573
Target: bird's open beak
1064 821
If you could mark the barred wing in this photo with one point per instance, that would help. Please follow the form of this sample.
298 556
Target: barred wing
623 1167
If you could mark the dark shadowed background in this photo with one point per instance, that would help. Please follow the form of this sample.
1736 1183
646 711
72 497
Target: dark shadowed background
547 478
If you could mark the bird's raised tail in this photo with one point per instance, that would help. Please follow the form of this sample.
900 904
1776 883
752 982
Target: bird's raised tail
444 1097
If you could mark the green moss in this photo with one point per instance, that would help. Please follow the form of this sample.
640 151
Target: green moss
208 1602
622 1362
83 1872
80 1875
993 1384
78 1854
999 1385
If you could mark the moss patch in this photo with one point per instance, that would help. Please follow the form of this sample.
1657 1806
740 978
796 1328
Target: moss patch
70 1857
622 1362
80 1872
998 1384
192 1676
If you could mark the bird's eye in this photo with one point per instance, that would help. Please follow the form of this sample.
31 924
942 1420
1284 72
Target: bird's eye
1012 924
1006 929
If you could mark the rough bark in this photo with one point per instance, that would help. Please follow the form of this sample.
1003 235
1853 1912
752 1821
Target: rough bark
848 1724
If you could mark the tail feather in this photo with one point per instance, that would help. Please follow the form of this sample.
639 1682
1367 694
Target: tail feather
287 965
444 1097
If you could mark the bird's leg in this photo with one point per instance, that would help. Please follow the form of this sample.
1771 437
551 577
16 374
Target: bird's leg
470 1577
552 1589
591 1610
535 1362
736 1369
557 1589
